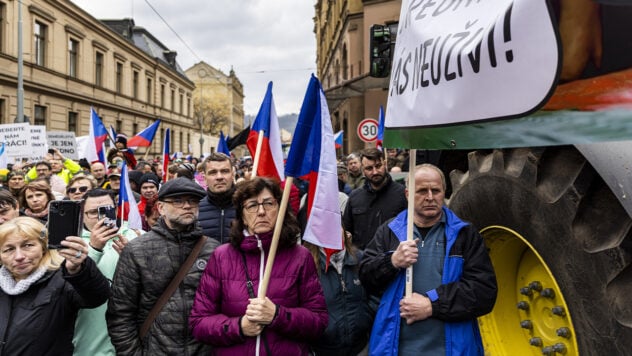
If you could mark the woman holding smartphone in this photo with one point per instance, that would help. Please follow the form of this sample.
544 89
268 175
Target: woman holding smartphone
41 290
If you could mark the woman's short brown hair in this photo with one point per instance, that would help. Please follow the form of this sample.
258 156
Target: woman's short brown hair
38 185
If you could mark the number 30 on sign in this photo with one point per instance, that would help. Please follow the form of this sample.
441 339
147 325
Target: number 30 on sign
367 130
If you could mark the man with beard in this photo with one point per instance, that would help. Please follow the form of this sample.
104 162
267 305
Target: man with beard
378 200
216 209
146 267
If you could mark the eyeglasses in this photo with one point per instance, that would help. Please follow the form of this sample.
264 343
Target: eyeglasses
81 189
179 203
267 205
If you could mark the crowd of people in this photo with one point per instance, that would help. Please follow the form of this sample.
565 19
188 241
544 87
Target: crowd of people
189 281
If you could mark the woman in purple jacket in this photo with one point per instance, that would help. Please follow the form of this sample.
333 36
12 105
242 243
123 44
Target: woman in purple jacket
226 312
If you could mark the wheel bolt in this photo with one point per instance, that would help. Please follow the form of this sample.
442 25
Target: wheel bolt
526 291
536 286
522 305
558 310
548 351
526 324
563 332
535 341
560 348
548 293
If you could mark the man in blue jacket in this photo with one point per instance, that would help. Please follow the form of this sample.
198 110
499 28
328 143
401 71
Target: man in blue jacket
453 278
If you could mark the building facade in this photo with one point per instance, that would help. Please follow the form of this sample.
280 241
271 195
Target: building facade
73 62
342 29
218 101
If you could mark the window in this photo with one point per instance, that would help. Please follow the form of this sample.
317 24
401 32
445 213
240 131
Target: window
2 118
119 77
181 143
173 100
149 85
134 128
3 23
135 85
119 126
188 106
73 57
72 121
189 142
40 115
40 43
162 96
98 69
181 104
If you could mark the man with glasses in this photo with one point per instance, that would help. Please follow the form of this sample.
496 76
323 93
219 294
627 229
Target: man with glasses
91 335
146 267
216 209
378 200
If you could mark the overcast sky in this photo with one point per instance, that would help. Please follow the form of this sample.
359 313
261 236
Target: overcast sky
262 40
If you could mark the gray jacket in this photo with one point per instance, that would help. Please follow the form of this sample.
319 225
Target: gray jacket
145 268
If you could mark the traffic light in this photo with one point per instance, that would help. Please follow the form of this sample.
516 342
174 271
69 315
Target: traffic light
380 47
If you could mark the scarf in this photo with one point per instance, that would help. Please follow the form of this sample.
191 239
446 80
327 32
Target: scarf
39 215
221 200
11 287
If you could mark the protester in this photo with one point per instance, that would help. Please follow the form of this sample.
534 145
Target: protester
149 184
9 206
15 182
91 333
59 165
97 170
228 315
40 295
79 185
146 267
343 177
151 215
350 308
453 279
355 178
216 209
34 199
43 170
378 200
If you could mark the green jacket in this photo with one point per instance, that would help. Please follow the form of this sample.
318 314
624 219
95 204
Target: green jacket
70 168
91 332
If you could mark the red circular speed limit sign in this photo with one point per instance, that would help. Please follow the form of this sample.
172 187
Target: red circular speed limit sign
367 130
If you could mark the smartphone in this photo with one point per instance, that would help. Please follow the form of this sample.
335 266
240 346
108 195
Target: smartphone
51 151
108 213
65 219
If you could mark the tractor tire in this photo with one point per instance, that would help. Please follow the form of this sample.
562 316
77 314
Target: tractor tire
574 240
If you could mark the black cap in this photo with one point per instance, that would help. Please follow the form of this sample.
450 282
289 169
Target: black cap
181 186
149 178
135 176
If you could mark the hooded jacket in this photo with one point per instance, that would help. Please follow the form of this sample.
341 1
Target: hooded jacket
145 268
223 295
468 287
41 321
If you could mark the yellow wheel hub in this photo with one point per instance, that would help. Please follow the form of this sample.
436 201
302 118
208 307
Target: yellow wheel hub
530 316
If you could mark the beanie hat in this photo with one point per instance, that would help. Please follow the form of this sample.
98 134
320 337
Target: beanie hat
135 176
149 178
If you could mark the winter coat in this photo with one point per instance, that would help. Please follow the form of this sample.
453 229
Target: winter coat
367 209
41 321
223 296
215 218
144 270
350 308
468 287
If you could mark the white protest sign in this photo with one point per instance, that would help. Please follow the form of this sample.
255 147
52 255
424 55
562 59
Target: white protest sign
463 61
38 143
16 139
65 142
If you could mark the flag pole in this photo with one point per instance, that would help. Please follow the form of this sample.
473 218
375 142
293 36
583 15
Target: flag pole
263 287
411 214
255 161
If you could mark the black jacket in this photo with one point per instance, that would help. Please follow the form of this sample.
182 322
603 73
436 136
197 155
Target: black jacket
216 215
41 321
367 209
144 270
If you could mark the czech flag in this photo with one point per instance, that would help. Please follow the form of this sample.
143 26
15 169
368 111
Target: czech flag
145 137
165 155
98 135
222 146
127 203
270 157
380 130
338 139
312 153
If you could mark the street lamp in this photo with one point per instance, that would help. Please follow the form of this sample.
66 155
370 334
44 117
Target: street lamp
201 74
